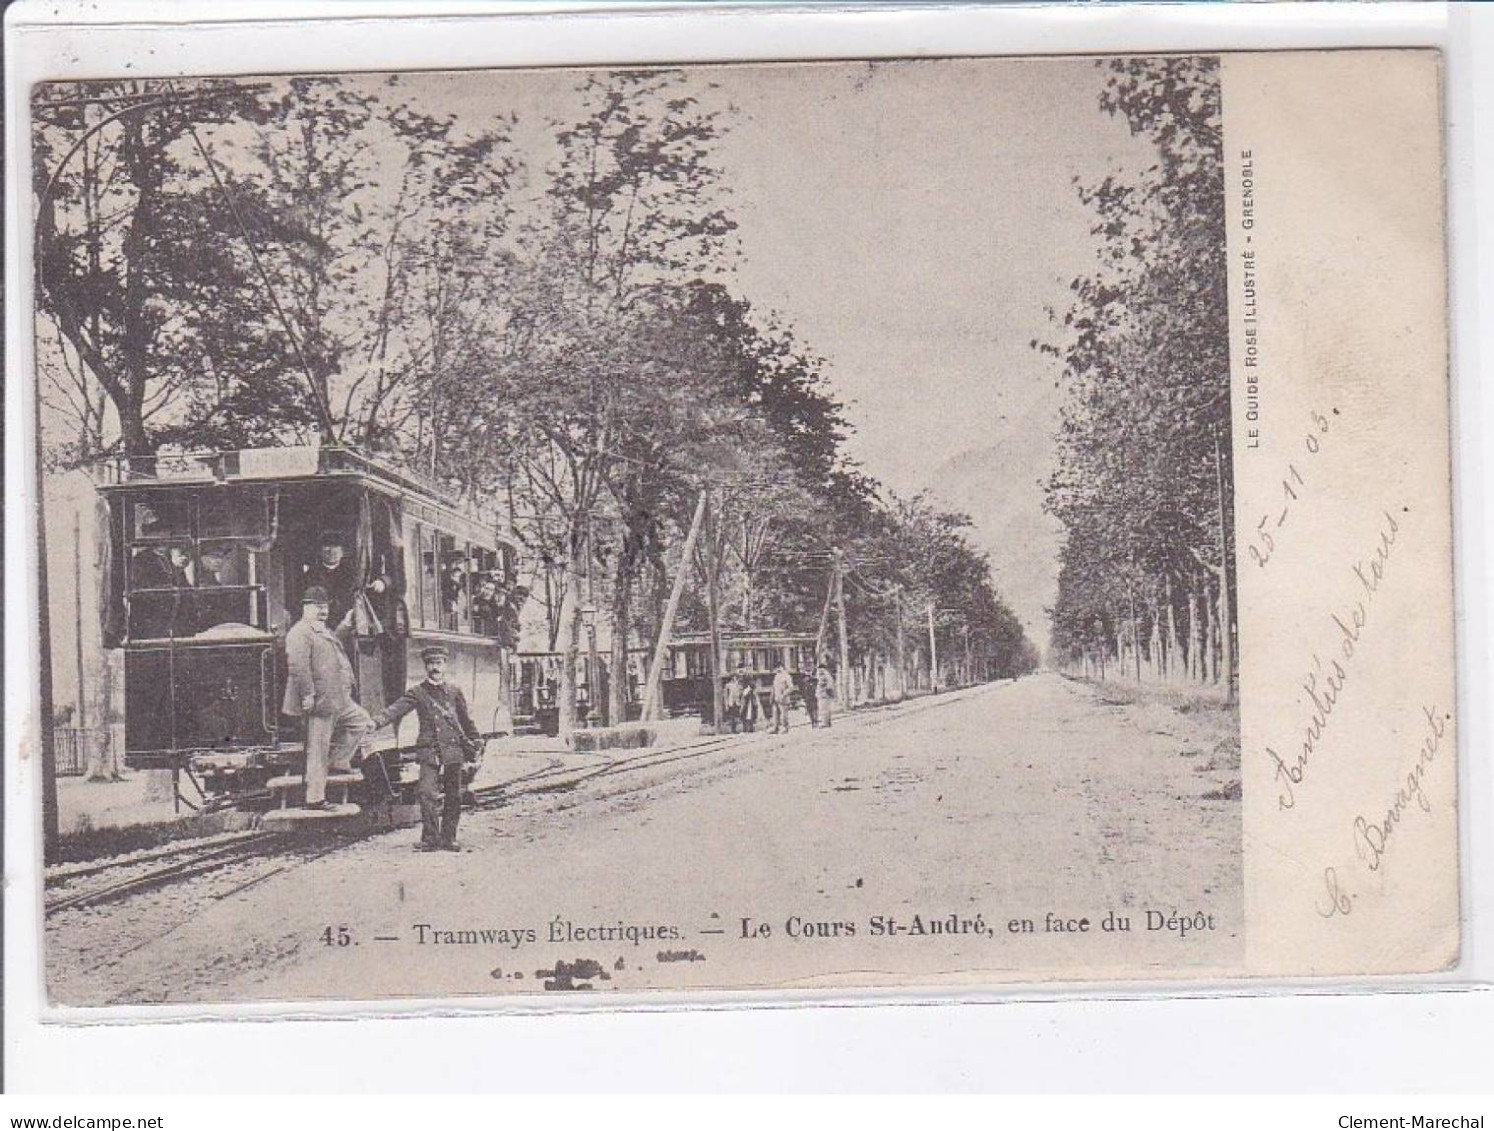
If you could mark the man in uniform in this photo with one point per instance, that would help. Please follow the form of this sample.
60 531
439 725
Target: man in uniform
320 688
447 738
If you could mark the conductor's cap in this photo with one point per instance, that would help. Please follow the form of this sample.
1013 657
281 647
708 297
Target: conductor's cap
315 595
433 652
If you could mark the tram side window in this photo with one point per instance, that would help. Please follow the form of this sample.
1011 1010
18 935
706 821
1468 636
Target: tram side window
456 593
430 590
489 592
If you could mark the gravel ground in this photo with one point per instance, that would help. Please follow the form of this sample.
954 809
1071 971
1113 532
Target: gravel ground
997 816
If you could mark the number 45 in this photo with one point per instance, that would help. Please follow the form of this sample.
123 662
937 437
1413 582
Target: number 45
337 936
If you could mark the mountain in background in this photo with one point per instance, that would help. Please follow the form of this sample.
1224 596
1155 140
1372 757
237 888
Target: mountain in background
999 487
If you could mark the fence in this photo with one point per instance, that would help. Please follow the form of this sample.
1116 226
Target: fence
74 747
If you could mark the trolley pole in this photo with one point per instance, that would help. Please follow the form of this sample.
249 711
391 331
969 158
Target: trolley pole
843 677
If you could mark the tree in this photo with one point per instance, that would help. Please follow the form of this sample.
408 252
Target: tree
635 214
144 272
1141 481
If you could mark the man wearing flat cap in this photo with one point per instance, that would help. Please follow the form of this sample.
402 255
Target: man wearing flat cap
320 689
447 738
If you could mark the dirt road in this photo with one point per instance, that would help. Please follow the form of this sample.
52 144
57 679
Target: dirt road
981 836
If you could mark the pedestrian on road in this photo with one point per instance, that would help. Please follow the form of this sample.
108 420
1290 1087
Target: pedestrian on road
320 688
731 704
783 695
751 708
810 690
825 685
447 739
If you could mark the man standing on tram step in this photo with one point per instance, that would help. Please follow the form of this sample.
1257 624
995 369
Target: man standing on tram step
783 696
447 738
320 688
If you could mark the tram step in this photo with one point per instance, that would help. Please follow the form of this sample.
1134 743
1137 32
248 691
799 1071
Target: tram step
296 781
287 784
281 819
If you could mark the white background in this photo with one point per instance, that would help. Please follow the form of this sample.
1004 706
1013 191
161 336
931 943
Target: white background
1428 1041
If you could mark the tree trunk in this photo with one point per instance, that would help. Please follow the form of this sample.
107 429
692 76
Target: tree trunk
617 685
570 631
1210 668
1195 636
713 611
1157 662
1135 630
1174 645
1226 625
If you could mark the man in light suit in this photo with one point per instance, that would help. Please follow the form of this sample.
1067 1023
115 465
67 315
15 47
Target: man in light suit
320 688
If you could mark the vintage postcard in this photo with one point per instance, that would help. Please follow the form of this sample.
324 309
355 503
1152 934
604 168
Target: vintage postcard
924 525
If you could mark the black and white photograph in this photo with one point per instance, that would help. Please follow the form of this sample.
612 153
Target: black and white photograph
725 527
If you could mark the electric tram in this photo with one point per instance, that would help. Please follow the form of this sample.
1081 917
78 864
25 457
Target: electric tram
206 558
684 684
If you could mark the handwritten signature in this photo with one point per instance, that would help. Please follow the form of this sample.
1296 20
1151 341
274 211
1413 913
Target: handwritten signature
1372 838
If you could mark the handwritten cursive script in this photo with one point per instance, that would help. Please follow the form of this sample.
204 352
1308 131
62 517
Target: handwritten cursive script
1323 685
1372 838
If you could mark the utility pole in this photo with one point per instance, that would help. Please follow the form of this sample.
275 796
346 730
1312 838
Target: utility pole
819 639
713 609
651 705
843 676
933 653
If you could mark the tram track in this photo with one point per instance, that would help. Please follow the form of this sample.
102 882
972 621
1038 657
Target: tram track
195 863
554 777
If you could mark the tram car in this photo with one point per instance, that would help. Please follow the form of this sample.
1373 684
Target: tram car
684 685
535 679
757 655
206 561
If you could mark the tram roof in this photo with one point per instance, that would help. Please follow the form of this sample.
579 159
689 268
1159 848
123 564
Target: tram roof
738 636
297 464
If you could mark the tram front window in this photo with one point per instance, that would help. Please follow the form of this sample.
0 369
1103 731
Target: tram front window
181 587
161 520
237 515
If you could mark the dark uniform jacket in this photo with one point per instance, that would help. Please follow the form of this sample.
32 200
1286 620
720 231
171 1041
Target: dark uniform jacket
447 733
